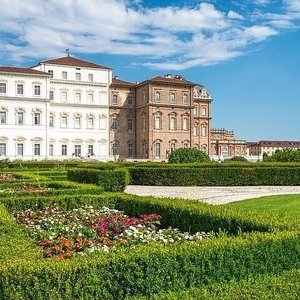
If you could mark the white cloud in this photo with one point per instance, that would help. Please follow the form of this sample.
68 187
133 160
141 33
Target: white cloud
168 37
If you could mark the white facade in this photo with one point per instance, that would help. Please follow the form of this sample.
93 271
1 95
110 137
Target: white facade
73 107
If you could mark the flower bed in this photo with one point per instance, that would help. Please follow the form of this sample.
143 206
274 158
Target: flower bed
7 176
61 233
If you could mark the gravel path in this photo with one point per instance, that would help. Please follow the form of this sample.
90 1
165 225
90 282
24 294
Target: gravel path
212 195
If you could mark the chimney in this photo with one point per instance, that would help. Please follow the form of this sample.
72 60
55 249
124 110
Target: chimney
168 76
116 77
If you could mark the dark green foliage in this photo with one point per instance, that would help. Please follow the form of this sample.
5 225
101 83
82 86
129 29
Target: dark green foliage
216 176
237 158
111 180
188 155
284 155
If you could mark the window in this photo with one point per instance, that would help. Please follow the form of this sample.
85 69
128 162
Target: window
78 76
2 149
51 121
157 97
77 151
172 147
172 123
64 122
51 95
203 111
195 111
64 150
114 125
37 149
130 150
157 150
77 122
157 122
91 150
90 97
37 119
51 150
130 100
77 97
130 125
2 117
115 149
172 98
37 90
195 130
64 97
204 130
103 123
20 118
185 99
144 97
185 123
2 88
91 77
90 123
20 149
185 145
50 72
114 99
20 89
64 75
144 123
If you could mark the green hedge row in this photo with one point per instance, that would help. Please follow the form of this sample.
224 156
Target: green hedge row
285 286
228 176
110 180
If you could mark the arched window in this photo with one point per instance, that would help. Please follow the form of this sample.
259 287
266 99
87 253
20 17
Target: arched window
172 98
204 148
114 99
173 125
185 99
204 130
157 150
157 122
115 148
157 97
185 123
195 130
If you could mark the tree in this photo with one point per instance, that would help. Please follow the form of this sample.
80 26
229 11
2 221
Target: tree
188 155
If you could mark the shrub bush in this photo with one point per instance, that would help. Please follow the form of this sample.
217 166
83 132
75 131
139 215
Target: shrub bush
284 155
188 155
237 158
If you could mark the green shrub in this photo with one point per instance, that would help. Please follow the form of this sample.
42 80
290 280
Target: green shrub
188 155
284 155
110 180
237 158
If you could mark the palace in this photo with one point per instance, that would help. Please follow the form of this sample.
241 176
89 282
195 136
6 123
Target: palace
69 108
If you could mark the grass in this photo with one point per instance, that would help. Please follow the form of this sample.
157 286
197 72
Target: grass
280 204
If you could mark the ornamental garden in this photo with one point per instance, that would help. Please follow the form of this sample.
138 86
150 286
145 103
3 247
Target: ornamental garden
68 231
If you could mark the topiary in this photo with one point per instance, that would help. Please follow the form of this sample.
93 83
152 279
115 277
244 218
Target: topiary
188 155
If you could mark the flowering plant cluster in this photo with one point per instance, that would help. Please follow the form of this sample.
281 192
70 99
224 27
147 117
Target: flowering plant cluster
7 176
61 234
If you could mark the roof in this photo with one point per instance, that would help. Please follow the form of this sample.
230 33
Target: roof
119 82
279 144
169 80
19 70
74 62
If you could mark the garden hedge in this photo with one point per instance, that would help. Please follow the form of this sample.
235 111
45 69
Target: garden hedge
110 180
217 176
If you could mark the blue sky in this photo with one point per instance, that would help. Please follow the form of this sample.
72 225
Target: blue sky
246 53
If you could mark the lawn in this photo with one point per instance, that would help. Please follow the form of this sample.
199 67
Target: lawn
282 204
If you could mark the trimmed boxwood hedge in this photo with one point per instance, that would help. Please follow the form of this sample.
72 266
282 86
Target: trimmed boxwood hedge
219 176
110 180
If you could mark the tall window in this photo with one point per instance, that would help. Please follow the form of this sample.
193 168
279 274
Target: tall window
90 97
37 149
157 150
77 151
130 150
2 88
115 149
64 75
78 76
185 123
144 123
195 130
172 98
129 100
91 150
185 99
20 149
157 97
90 123
51 149
64 122
37 119
64 97
2 117
114 125
204 148
91 77
64 150
77 123
51 95
37 90
20 89
51 121
2 149
172 147
203 111
130 125
195 111
172 123
114 99
77 97
20 118
204 130
157 122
